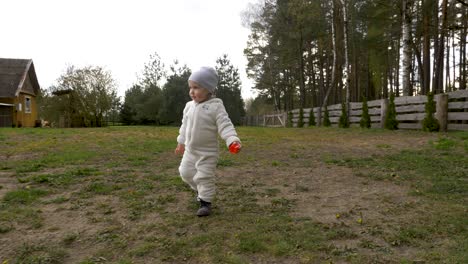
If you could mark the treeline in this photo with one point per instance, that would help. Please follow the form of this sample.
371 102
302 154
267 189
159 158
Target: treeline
87 97
316 53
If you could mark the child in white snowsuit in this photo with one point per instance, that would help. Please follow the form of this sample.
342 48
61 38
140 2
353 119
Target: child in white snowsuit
204 118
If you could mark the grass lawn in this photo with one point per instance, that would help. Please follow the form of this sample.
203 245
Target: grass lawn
312 195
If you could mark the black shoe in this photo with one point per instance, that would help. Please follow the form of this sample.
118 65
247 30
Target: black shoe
205 208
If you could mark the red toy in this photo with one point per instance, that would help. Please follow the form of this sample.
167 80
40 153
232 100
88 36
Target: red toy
234 148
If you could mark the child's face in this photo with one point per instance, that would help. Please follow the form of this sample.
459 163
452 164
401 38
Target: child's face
198 93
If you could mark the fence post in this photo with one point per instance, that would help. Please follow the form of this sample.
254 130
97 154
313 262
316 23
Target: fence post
441 110
383 112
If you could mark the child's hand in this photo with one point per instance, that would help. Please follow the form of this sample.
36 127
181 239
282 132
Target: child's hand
180 149
235 147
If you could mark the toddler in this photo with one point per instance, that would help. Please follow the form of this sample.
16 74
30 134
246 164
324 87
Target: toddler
204 118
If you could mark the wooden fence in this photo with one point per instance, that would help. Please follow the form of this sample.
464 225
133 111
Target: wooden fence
451 112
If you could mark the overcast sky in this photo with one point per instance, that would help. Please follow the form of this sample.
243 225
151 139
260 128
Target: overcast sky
120 35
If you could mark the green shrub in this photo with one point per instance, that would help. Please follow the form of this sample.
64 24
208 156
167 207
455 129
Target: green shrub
289 119
391 122
300 122
326 118
365 118
312 118
344 121
429 123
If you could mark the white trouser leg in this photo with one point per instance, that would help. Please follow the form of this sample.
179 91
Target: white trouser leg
187 169
198 170
205 177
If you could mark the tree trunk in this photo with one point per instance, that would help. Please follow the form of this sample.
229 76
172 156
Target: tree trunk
312 77
321 75
462 67
435 26
333 74
453 59
276 98
426 61
439 67
420 64
302 89
406 47
346 74
447 66
397 75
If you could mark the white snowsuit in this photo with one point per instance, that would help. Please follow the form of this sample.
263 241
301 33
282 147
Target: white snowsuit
201 124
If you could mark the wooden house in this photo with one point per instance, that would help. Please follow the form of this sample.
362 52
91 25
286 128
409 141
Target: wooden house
18 91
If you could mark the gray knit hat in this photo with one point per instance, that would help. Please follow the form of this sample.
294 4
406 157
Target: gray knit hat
206 77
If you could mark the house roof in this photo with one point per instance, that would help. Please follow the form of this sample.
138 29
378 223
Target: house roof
13 73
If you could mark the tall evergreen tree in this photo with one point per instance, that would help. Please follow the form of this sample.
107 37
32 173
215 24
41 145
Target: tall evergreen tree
175 94
131 112
144 100
229 89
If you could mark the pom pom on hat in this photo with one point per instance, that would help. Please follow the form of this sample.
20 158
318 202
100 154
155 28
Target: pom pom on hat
206 77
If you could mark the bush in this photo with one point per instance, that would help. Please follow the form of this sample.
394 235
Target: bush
430 124
344 121
300 122
326 118
390 119
365 118
312 118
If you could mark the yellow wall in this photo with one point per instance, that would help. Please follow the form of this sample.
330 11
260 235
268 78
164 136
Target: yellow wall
26 119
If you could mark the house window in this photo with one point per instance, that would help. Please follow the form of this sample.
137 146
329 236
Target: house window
27 104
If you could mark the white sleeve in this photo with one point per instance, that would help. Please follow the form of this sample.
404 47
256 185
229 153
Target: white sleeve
226 129
181 137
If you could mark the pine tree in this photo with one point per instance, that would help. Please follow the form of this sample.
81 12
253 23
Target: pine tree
344 121
289 120
326 118
300 122
175 94
390 121
312 118
430 124
365 118
229 89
